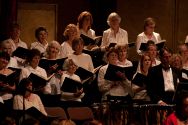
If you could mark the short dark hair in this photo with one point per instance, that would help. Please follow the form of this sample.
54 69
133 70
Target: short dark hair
33 53
38 30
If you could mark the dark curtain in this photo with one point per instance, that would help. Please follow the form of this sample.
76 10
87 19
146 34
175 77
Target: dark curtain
8 15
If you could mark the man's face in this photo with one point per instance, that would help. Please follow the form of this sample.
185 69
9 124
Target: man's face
165 59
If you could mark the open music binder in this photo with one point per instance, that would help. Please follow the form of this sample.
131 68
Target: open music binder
39 81
70 85
112 72
21 52
85 74
47 64
89 41
159 45
10 78
139 79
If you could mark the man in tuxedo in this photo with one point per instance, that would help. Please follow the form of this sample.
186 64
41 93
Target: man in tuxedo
162 80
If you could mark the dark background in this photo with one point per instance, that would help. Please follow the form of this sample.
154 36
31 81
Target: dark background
171 16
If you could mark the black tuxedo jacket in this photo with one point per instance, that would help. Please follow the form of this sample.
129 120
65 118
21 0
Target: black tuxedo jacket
155 85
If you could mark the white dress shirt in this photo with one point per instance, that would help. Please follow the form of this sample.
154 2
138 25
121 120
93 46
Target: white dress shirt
121 37
142 38
83 60
39 46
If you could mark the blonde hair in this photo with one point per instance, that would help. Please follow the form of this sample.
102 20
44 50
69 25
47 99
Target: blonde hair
50 45
67 122
67 29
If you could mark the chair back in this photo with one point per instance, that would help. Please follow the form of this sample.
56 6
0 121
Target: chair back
56 112
80 113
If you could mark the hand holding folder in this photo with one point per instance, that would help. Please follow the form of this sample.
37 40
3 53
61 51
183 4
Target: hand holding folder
52 66
89 41
118 73
159 45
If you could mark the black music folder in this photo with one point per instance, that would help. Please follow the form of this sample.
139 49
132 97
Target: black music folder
131 44
159 45
21 52
112 45
70 85
47 64
83 73
139 79
89 41
9 79
39 81
112 72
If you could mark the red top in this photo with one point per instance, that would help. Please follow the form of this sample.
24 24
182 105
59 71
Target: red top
171 120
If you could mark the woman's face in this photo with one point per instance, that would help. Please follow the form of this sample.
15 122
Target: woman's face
152 51
72 33
72 67
114 23
87 21
3 63
113 58
147 61
122 54
30 86
35 61
54 50
7 48
150 29
42 36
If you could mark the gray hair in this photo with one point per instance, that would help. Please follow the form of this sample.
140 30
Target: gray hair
68 62
113 15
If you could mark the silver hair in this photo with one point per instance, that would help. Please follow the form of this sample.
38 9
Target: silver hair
113 15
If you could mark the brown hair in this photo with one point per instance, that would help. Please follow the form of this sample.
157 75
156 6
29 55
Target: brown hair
81 18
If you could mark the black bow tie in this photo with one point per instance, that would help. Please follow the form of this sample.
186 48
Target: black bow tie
166 68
